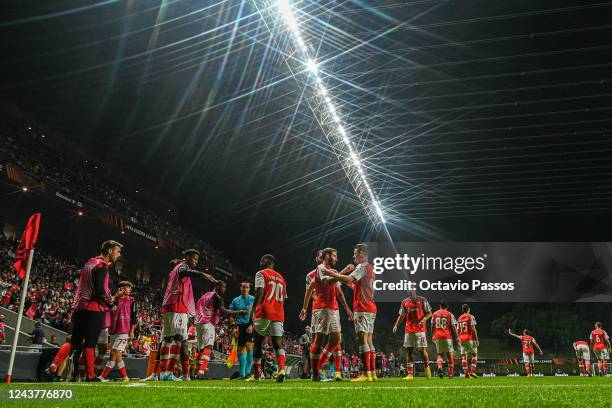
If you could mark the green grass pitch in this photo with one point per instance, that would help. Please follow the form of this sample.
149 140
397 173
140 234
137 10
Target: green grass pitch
483 392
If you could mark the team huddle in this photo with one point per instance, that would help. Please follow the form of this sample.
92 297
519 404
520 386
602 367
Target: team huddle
98 316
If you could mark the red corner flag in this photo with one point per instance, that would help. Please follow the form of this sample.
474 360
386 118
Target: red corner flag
28 239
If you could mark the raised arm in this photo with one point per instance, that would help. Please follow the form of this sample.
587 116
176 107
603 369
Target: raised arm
513 335
192 273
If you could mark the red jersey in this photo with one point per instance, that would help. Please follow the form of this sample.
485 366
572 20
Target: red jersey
441 323
599 337
527 343
415 311
466 323
325 293
272 305
363 292
178 307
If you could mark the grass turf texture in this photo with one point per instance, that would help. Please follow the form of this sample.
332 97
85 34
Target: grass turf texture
490 392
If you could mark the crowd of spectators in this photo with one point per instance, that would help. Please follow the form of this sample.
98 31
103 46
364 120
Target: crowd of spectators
51 289
25 145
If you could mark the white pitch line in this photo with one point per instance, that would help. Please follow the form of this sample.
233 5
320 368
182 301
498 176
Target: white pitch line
407 387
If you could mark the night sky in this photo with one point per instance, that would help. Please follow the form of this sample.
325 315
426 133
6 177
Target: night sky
475 121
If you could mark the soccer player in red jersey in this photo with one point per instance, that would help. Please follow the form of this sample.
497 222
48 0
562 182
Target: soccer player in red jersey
416 310
177 306
309 278
268 315
364 308
600 343
443 327
468 341
583 355
528 343
326 318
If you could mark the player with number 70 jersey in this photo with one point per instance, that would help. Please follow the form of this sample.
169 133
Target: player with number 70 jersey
272 305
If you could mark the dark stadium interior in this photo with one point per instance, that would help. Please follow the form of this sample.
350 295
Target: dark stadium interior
482 123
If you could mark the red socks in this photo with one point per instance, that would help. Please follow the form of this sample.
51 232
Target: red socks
257 368
327 352
61 355
280 358
527 368
186 367
410 368
205 358
121 367
451 367
474 362
338 359
440 362
464 365
164 355
314 360
173 356
373 361
365 359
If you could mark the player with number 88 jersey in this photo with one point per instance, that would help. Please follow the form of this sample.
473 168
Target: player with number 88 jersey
443 327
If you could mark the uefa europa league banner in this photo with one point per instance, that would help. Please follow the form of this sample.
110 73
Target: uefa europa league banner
493 271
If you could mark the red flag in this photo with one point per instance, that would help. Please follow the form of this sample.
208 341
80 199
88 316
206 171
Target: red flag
28 239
